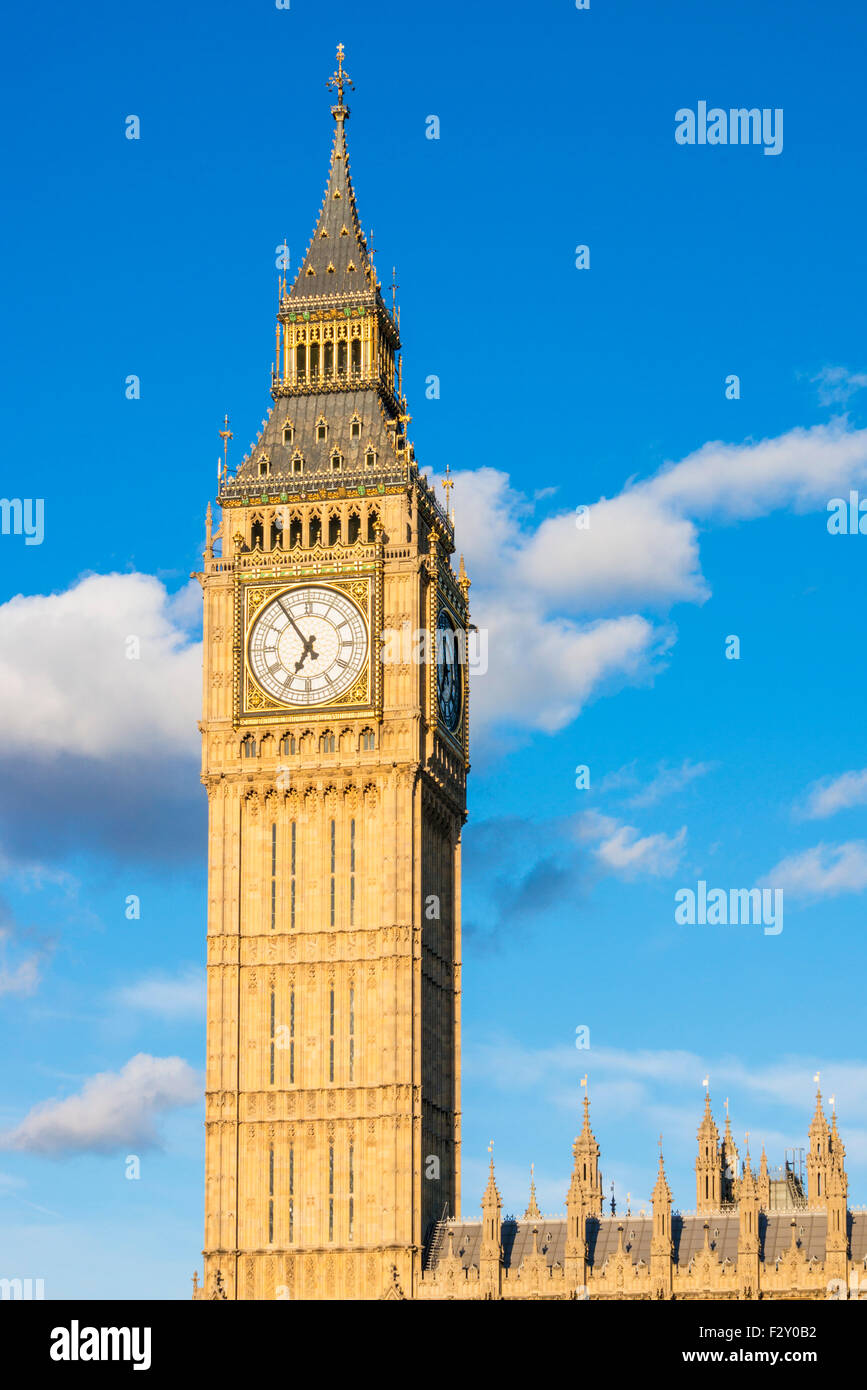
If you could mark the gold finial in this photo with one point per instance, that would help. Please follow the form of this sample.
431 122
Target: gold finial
226 434
340 79
491 1147
448 484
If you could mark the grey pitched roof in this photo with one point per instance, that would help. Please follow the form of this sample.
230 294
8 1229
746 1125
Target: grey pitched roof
687 1233
337 409
337 259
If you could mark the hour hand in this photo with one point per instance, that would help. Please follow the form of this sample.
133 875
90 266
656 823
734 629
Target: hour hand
307 650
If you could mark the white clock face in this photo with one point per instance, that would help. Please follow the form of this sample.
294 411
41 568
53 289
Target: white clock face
308 646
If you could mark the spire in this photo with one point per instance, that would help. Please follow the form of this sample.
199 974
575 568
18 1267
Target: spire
338 260
661 1191
586 1184
532 1213
818 1124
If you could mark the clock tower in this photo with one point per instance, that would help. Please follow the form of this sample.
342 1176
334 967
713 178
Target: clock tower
334 754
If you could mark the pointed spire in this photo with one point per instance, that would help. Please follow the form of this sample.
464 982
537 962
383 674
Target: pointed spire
661 1190
338 260
532 1213
491 1195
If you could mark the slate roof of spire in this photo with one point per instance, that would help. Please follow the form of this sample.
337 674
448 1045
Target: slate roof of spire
337 260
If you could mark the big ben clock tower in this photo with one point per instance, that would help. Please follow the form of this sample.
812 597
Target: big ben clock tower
334 753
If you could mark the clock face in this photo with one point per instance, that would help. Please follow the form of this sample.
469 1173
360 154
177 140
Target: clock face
308 646
449 686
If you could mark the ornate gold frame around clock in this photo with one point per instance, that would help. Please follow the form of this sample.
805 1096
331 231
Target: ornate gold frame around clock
363 586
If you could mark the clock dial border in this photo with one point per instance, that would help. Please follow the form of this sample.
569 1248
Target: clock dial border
255 704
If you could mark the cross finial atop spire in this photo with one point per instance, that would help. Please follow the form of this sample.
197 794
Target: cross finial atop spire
339 80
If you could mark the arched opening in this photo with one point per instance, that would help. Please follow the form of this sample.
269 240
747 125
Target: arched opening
329 359
295 531
276 532
257 535
315 530
287 743
356 357
372 519
327 743
248 747
341 359
333 530
301 362
354 528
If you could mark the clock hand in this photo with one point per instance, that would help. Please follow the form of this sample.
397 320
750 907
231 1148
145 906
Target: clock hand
305 640
307 651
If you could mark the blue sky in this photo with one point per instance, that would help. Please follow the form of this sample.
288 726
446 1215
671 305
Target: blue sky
559 388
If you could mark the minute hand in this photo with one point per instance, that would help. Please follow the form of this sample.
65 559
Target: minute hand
305 640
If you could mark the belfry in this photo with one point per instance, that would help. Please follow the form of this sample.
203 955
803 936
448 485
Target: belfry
336 784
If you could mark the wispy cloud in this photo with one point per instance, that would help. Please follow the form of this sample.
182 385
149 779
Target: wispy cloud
669 780
171 997
837 384
832 794
113 1110
824 871
625 851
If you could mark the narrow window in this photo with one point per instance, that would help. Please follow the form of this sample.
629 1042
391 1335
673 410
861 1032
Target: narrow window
329 359
333 855
288 434
292 1037
356 357
370 458
352 873
273 876
355 429
257 535
291 1194
297 465
352 1036
301 362
351 1191
315 530
331 1038
333 530
336 461
271 1076
271 1196
314 359
341 359
354 528
322 431
331 1192
287 743
292 883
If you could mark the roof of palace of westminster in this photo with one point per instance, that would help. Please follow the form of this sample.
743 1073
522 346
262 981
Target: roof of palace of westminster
776 1233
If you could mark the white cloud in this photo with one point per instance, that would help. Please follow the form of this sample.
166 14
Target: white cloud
833 794
66 684
837 384
113 1110
825 871
669 780
625 851
537 587
181 996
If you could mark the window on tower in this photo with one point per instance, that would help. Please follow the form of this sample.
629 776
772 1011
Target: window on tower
356 357
248 747
355 429
368 741
322 431
370 459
